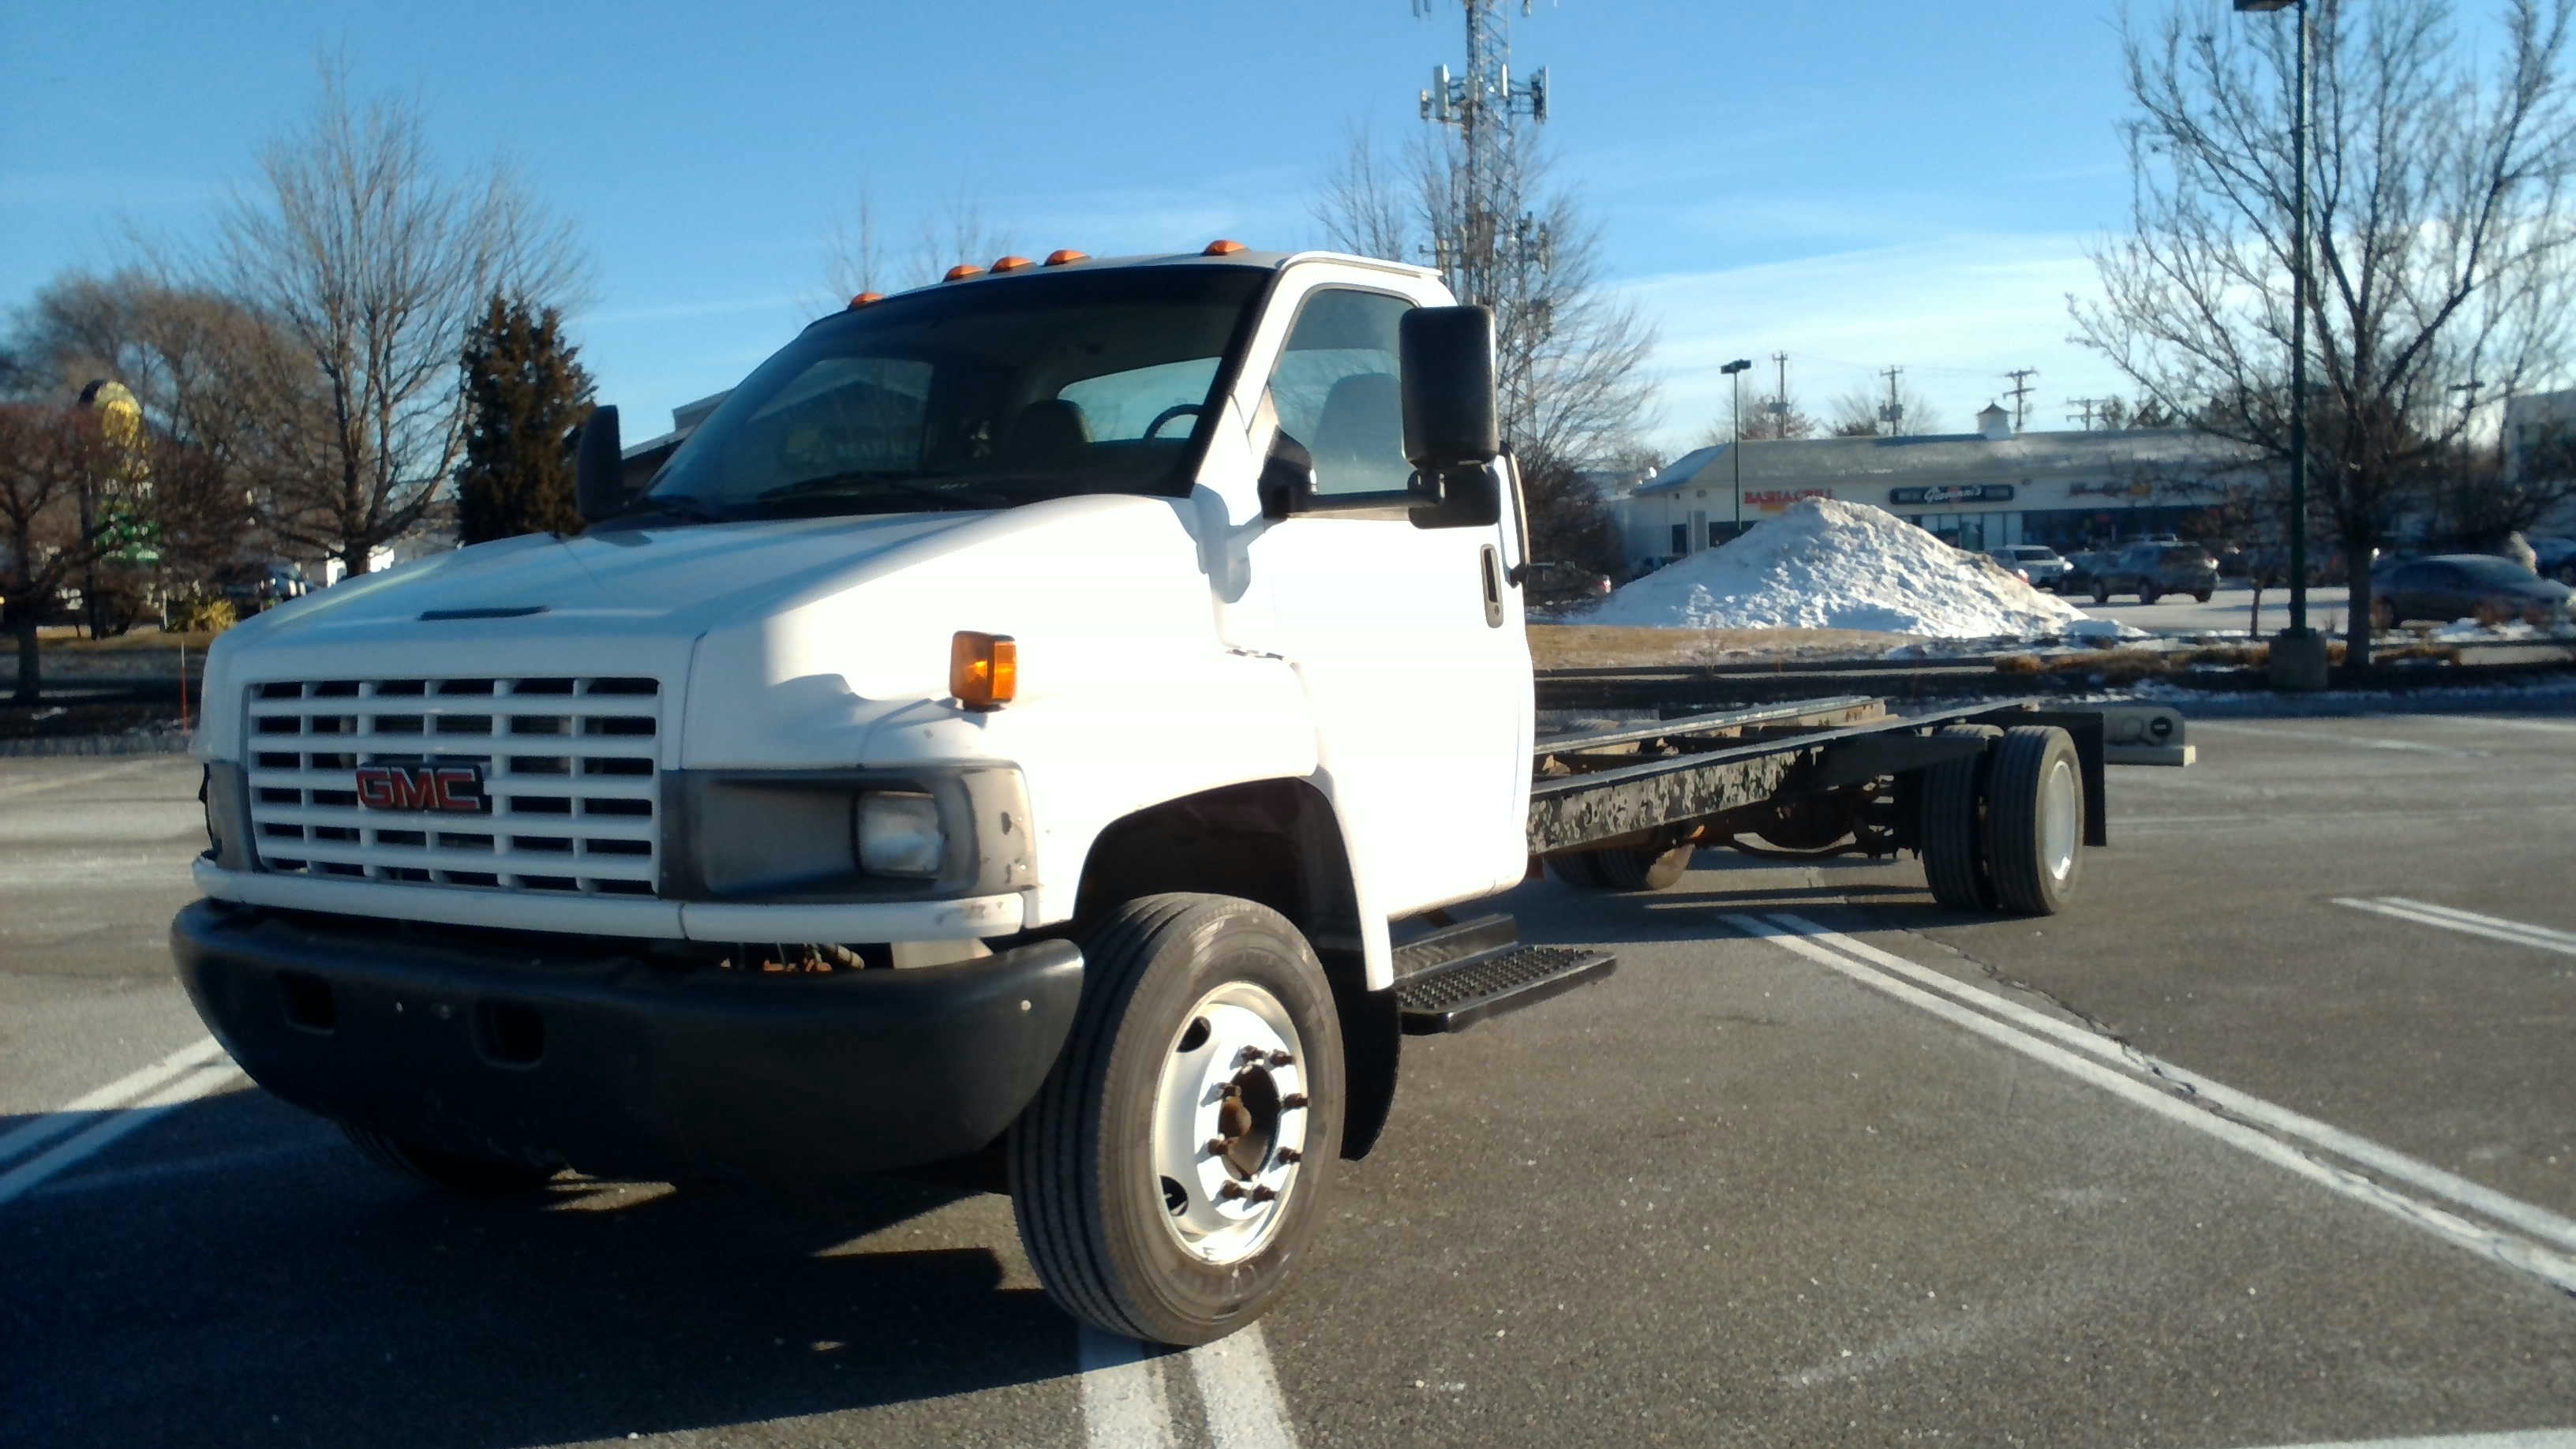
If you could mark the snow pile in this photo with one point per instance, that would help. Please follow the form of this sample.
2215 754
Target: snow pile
1829 565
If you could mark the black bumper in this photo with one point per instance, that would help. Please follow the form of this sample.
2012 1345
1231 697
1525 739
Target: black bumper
626 1069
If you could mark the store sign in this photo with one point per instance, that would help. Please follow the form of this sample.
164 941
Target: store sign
1954 493
1772 500
2141 489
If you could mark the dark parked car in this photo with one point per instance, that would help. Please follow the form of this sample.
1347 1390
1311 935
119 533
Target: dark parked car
2447 586
2083 568
2556 557
2153 570
1558 585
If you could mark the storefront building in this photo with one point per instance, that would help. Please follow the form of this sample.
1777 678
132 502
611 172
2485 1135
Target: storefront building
1981 490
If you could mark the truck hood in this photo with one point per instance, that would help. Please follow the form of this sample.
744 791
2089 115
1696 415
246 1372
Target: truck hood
656 581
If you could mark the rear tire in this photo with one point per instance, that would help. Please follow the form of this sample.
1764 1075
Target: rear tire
2035 820
1122 1207
447 1171
2149 593
1953 845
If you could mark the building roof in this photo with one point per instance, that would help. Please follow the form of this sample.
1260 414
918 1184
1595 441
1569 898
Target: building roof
1947 457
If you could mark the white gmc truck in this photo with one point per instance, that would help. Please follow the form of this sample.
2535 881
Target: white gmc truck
1037 727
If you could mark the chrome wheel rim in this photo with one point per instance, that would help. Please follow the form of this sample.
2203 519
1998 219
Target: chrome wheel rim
2061 813
1229 1123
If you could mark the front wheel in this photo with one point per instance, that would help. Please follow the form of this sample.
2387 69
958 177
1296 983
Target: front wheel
2202 595
2149 593
1169 1172
2101 593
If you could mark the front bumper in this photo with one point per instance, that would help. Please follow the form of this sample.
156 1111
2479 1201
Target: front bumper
624 1068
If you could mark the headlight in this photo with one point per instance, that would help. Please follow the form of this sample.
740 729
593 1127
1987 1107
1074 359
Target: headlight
899 834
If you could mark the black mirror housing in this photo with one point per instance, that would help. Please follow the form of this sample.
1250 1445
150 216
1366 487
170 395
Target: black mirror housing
599 483
1447 360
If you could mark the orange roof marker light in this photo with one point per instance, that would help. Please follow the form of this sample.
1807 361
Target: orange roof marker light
1012 264
983 669
1222 249
1062 255
961 272
866 299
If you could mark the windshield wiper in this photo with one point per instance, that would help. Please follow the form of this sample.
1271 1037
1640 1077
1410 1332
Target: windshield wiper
674 505
859 480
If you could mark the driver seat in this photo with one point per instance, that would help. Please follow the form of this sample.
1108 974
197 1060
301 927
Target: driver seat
1050 435
1359 436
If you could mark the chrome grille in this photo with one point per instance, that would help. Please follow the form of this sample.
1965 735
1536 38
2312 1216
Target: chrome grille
567 764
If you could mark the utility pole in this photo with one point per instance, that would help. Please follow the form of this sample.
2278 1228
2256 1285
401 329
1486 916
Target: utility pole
1893 414
2021 391
2088 404
1779 404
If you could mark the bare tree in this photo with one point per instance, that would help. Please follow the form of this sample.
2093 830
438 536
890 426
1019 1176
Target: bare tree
1571 353
58 467
1765 418
1861 413
2439 254
373 262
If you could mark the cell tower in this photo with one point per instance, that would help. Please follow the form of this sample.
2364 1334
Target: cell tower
1488 235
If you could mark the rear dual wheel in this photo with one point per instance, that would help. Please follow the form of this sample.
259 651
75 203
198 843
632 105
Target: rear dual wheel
2004 828
1170 1171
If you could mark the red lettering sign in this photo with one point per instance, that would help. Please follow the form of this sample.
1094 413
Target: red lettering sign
454 788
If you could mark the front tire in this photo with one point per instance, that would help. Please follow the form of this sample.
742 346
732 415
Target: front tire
1169 1172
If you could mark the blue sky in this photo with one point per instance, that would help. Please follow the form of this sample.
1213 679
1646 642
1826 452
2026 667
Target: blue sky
1856 184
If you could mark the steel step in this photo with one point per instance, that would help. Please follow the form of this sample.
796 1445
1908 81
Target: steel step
1482 936
1465 991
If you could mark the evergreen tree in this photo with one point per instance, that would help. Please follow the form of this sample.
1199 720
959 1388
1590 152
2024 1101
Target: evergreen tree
526 397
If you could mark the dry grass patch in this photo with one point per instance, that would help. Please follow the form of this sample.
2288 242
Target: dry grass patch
1605 646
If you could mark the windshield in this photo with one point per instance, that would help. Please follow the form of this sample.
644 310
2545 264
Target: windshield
979 395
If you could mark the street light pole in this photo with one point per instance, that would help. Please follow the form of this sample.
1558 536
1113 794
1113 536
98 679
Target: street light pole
2297 635
1735 454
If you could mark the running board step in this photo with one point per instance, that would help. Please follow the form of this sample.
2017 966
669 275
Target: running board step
1459 993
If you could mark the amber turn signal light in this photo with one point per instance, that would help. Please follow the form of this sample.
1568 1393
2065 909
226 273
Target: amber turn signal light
983 669
1222 249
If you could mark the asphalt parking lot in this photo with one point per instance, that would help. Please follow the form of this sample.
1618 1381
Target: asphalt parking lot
2271 1141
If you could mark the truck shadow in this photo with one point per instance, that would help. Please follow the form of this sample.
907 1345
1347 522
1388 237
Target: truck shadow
239 1292
1859 894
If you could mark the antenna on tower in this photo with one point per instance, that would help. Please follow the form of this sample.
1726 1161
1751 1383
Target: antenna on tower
1487 235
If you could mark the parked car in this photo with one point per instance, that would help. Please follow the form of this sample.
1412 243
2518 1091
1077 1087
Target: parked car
2444 587
2555 557
2153 570
1560 584
2083 568
2036 562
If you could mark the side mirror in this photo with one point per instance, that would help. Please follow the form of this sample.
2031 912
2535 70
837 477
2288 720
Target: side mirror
599 483
1452 433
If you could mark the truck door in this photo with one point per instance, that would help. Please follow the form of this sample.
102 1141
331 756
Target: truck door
1408 640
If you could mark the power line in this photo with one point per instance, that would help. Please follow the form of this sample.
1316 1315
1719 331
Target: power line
2021 390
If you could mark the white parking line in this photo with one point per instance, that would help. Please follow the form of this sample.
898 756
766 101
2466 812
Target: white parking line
1122 1393
2459 1190
19 1180
1814 942
1241 1394
2493 928
28 1136
2510 1439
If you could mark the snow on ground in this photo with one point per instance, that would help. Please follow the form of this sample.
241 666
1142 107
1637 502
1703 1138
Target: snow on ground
1824 564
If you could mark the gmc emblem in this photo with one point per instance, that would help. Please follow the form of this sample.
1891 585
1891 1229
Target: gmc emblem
457 788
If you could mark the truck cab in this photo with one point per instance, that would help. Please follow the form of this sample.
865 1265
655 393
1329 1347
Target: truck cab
1004 730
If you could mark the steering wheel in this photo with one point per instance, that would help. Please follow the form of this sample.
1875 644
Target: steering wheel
1176 410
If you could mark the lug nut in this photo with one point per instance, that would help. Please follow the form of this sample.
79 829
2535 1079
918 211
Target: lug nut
1216 1146
1229 1091
1289 1156
1264 1193
1280 1059
1292 1101
1230 1191
1247 1056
